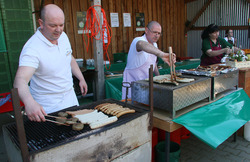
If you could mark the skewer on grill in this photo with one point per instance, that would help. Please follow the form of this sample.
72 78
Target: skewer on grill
52 121
57 117
170 61
172 66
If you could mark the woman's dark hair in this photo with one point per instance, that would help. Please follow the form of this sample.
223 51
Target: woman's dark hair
227 31
210 29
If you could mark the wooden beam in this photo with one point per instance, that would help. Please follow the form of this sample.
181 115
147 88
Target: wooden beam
198 15
188 1
224 28
98 57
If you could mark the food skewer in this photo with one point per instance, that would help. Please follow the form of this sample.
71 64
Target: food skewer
172 66
170 61
52 121
57 117
174 71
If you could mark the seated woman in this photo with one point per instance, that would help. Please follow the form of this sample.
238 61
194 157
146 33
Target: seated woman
214 47
229 37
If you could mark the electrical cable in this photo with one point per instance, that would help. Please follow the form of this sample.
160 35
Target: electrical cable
93 28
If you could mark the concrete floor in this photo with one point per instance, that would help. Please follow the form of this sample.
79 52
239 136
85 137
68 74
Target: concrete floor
192 149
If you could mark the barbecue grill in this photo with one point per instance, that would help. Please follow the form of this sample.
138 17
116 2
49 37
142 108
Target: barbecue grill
49 142
171 97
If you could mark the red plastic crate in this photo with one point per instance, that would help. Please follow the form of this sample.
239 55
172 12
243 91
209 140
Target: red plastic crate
7 107
175 136
154 142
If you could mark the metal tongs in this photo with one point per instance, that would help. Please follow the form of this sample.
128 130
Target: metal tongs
172 66
48 120
56 117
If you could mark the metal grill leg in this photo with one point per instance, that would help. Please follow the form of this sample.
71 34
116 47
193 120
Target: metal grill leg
167 146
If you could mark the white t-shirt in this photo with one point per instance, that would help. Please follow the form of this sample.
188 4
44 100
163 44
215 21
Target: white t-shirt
53 76
226 38
136 59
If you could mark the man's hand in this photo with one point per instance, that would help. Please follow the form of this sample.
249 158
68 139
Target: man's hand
83 86
165 58
35 112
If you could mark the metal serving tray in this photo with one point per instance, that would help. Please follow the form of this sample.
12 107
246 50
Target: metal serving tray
170 97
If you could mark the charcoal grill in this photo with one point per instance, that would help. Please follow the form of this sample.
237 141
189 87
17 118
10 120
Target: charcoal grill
171 97
47 141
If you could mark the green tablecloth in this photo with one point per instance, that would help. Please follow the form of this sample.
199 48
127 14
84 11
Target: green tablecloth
113 85
179 65
215 122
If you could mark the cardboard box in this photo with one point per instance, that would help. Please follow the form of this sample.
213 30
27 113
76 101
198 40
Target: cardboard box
238 64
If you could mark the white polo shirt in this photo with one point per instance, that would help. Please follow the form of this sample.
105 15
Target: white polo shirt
53 76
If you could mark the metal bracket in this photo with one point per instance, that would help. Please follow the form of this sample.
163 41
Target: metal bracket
127 85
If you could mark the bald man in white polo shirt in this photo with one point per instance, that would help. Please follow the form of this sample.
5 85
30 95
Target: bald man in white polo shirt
46 62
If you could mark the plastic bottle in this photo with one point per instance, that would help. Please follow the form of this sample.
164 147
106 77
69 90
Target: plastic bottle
247 131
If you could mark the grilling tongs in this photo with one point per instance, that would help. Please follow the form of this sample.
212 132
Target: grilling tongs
172 66
52 121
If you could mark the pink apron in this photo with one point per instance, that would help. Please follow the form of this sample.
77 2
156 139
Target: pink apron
140 73
205 61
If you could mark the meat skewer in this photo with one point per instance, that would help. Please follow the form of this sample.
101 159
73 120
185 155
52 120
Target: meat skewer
57 117
170 61
52 121
174 71
172 66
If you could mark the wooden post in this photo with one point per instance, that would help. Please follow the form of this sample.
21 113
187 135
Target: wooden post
19 125
98 57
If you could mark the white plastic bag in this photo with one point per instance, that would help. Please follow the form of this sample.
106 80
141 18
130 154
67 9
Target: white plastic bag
247 131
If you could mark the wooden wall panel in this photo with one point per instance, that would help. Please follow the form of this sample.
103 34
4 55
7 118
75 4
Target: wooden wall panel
171 14
130 30
69 28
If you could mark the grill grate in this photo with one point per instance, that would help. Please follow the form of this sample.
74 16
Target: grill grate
43 136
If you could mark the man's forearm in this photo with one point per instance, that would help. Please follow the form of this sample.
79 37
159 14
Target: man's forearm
76 70
23 90
149 48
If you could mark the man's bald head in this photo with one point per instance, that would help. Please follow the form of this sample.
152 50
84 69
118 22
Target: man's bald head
52 22
51 10
152 23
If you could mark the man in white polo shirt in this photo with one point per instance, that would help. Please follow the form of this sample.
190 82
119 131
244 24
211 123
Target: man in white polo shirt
46 62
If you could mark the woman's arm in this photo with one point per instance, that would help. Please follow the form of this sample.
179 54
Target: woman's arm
212 53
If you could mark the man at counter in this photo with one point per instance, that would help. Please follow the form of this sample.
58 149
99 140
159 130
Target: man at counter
46 62
143 52
214 47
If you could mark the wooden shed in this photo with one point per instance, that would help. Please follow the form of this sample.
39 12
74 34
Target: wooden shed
171 14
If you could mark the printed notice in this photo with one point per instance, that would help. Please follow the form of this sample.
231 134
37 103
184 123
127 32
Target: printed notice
126 20
114 19
81 20
140 21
